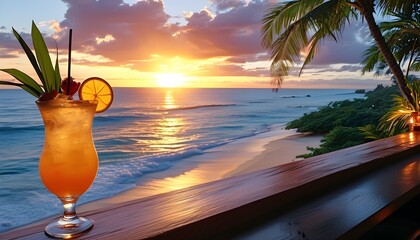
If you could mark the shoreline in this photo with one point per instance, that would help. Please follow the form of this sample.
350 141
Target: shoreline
270 157
239 157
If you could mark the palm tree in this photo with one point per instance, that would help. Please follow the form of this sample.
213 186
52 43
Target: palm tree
403 36
297 26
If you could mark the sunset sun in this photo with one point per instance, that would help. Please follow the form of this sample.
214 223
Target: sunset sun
169 79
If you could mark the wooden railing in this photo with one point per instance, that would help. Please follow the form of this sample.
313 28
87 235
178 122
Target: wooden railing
337 195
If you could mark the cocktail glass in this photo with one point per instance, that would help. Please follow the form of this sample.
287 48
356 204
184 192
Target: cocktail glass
68 162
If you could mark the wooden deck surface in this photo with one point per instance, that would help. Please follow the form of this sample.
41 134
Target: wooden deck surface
349 211
343 193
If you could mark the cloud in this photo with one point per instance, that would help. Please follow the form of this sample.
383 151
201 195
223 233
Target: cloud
232 33
349 68
107 38
8 41
226 69
335 68
249 58
222 70
131 34
227 4
349 47
4 53
134 31
54 26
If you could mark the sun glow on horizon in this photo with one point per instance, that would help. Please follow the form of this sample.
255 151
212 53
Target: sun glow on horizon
169 80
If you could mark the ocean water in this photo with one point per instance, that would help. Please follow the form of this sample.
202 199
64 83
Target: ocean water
145 131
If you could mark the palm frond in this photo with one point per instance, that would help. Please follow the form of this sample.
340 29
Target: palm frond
371 132
406 6
281 16
371 57
397 118
293 27
311 51
402 37
415 66
274 21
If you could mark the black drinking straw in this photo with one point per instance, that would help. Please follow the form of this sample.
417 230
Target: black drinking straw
69 65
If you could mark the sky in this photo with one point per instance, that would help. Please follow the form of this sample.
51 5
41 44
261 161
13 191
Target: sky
172 43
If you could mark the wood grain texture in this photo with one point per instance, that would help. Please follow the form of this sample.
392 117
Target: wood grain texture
349 211
226 207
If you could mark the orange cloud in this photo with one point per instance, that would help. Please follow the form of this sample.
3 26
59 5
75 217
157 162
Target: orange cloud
131 34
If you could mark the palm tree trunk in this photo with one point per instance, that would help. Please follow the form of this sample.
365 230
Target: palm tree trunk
367 11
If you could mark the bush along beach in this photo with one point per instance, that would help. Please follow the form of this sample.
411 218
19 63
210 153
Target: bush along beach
348 123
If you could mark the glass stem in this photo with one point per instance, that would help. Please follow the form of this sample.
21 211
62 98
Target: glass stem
69 205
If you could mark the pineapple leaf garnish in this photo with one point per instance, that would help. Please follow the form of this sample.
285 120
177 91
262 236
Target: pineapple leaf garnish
25 87
44 60
25 79
30 55
57 72
48 75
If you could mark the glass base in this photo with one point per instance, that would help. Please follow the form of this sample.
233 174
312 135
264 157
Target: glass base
68 228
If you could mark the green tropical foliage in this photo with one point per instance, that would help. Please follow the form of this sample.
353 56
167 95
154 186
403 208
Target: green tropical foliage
297 26
338 138
398 117
348 113
349 123
47 74
372 132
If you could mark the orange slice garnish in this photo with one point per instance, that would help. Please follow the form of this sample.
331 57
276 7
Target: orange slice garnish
96 88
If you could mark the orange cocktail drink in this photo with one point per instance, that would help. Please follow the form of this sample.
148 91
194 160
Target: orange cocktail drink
68 162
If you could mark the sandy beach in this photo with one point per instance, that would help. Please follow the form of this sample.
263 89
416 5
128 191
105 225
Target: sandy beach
279 152
246 155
